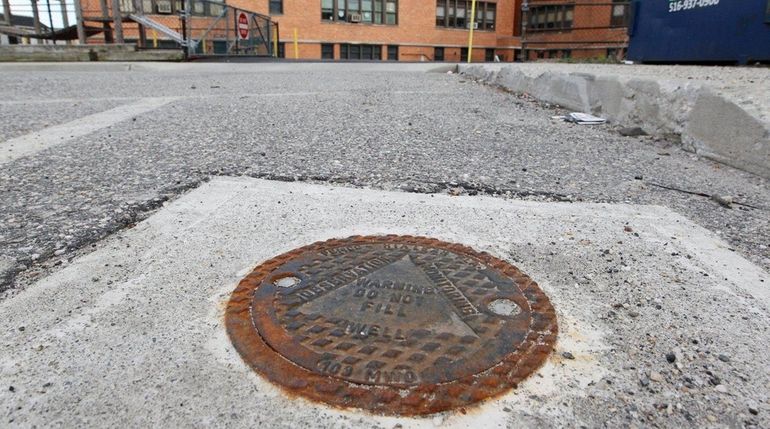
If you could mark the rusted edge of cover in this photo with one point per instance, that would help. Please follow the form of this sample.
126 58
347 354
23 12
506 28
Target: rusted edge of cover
420 399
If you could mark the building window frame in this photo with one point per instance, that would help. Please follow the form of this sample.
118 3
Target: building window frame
438 53
199 8
380 12
360 52
275 7
327 51
457 13
619 13
392 53
559 17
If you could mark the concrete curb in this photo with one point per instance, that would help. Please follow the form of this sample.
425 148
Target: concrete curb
80 53
708 123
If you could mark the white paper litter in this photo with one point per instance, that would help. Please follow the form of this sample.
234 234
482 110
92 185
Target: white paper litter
583 118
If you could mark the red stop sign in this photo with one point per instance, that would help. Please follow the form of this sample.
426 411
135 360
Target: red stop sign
243 25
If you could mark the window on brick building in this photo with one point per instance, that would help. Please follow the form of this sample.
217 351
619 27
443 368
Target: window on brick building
390 12
360 11
367 52
441 13
367 11
489 55
457 14
489 17
327 10
167 7
460 14
438 54
619 17
464 54
360 52
216 9
555 17
392 53
327 51
276 7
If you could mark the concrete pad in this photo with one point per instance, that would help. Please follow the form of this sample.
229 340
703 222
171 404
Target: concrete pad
132 334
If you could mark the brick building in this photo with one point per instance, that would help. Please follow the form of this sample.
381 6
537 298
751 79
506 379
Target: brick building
405 30
589 28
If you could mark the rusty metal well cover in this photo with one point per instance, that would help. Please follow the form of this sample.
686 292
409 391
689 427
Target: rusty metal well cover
392 324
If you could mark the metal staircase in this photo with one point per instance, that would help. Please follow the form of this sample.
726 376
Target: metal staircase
157 26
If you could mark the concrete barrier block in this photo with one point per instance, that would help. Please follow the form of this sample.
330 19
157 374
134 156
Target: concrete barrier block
513 80
609 97
562 89
720 130
707 123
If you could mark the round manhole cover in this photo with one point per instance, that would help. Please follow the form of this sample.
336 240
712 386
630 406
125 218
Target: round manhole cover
391 324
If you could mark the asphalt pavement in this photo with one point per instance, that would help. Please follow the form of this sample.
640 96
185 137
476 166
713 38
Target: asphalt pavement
386 126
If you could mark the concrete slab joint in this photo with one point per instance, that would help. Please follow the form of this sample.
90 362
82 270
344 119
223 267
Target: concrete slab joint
707 122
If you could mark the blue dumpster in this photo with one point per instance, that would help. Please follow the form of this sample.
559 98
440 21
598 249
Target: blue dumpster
700 31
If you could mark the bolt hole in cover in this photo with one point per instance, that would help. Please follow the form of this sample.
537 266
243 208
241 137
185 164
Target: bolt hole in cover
391 324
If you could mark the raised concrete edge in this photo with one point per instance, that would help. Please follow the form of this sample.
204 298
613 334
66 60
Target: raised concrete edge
82 53
709 124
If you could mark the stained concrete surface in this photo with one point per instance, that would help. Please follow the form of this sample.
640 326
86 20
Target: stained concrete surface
386 126
132 334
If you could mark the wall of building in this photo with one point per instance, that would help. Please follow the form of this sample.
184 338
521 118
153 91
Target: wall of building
592 35
416 33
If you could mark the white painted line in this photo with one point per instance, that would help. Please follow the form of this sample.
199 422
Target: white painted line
216 95
40 140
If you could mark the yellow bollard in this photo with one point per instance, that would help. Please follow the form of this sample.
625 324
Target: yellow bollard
154 39
296 45
275 42
470 35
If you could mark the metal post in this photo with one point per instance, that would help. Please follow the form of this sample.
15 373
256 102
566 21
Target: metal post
79 18
64 18
275 41
139 8
50 18
470 34
35 17
187 29
524 21
7 12
105 21
117 19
